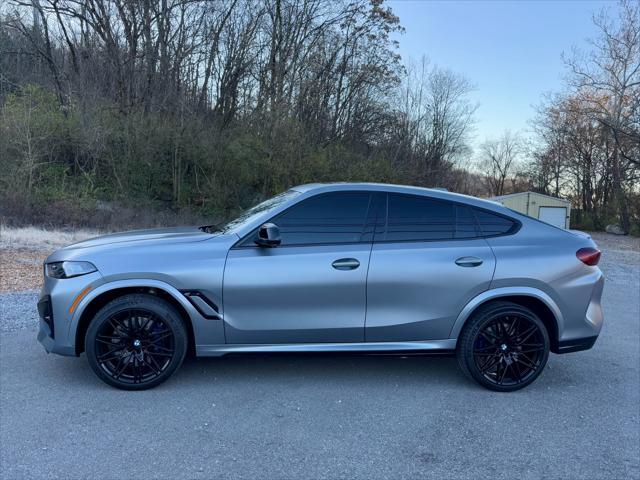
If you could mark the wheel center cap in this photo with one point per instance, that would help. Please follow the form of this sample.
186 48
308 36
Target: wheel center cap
504 347
137 343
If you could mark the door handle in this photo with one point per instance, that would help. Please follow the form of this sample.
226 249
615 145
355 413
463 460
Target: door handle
469 261
346 264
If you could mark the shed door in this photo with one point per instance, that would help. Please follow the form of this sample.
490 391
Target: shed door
556 216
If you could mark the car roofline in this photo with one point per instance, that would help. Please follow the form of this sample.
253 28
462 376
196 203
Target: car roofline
315 188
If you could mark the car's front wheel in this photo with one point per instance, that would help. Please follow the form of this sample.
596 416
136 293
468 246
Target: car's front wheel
136 342
503 347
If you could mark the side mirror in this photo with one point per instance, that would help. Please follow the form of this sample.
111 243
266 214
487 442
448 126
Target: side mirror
268 235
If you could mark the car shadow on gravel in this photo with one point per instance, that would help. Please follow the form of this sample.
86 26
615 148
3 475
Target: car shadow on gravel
300 368
376 370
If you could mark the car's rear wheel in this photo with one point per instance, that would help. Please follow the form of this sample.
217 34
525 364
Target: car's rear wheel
503 347
136 342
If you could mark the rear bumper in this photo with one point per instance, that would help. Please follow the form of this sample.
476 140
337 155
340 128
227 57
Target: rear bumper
581 331
577 344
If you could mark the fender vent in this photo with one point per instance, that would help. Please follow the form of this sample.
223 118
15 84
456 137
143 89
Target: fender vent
202 304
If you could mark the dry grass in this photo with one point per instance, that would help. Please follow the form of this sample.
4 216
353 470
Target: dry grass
34 238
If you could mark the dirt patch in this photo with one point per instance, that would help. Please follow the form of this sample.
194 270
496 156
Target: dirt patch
21 269
23 251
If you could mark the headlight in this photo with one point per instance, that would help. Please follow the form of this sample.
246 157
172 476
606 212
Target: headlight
69 269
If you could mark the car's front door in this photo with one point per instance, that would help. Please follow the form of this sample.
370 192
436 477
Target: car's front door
425 266
312 287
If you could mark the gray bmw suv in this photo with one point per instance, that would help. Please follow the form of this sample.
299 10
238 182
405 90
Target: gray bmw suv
366 268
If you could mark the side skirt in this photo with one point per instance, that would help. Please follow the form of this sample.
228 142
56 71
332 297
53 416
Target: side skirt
364 347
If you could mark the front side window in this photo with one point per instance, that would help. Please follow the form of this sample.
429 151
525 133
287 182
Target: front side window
331 218
265 207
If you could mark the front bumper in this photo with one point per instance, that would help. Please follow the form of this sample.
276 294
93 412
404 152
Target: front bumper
57 332
46 313
46 333
49 343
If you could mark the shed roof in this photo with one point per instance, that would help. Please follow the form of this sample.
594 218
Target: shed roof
519 194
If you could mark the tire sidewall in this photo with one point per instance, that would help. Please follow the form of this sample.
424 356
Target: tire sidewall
156 305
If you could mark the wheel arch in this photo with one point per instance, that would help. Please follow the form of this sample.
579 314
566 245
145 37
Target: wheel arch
110 291
537 300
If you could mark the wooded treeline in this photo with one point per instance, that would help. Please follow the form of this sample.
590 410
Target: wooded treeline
208 106
590 134
216 104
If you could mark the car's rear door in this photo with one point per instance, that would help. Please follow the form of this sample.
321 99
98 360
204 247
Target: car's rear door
427 262
311 288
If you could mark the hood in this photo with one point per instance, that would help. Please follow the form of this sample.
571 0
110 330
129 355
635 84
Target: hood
171 255
155 235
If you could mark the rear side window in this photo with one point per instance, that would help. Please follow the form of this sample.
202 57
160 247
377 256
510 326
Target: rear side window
466 226
491 224
413 218
325 219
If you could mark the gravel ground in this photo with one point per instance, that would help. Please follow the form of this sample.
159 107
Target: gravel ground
616 242
18 311
327 416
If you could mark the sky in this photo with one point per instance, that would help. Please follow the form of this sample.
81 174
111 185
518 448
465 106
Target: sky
510 50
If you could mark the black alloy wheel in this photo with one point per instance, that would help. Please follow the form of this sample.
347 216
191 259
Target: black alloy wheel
136 342
504 347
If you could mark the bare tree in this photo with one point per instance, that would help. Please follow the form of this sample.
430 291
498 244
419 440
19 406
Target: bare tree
435 119
499 161
606 81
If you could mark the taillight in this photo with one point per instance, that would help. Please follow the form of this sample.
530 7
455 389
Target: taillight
589 256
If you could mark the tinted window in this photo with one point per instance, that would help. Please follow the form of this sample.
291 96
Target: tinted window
491 224
376 216
412 218
329 218
465 223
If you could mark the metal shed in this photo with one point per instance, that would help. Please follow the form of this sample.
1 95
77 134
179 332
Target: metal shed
553 210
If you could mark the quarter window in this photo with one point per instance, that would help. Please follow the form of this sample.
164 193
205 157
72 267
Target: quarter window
491 224
325 219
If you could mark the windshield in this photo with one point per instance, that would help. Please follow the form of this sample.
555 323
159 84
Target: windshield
249 215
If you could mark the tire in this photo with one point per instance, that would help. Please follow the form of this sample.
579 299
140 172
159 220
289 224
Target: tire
504 346
136 342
